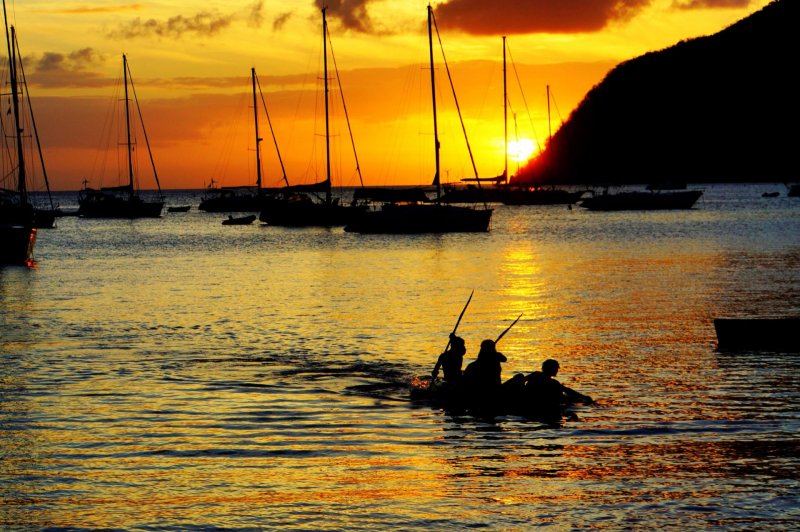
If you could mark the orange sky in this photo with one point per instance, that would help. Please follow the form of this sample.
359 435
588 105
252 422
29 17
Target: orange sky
191 64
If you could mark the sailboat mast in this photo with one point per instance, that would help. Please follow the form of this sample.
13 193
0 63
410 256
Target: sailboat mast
33 123
128 125
327 122
436 179
12 58
505 114
549 132
258 139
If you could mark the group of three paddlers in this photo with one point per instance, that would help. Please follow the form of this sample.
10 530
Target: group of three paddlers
480 385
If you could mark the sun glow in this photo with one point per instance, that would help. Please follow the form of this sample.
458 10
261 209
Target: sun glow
521 150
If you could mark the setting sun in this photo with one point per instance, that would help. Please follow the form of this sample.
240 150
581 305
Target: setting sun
521 150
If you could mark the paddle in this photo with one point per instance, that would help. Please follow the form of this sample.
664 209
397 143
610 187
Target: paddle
459 319
507 329
449 340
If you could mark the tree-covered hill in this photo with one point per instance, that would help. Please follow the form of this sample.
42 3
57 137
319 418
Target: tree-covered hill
721 108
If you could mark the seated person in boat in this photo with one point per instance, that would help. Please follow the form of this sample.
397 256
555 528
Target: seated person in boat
482 377
450 361
545 396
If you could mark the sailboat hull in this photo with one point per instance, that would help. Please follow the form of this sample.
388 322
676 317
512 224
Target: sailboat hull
44 218
542 196
232 202
16 244
632 201
770 334
104 205
417 218
294 212
472 194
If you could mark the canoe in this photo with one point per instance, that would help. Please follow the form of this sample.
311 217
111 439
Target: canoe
449 397
768 334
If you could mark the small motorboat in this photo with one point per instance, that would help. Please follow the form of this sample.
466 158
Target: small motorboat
242 220
179 208
765 334
770 194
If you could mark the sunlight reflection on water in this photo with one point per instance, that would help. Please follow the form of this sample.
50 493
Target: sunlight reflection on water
176 372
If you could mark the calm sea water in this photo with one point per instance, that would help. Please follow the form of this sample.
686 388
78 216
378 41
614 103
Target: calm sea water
177 373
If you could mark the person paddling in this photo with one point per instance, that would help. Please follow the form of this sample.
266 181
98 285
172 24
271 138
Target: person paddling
453 356
451 359
482 377
545 396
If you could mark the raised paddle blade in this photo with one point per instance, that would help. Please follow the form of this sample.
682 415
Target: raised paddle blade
507 329
459 318
463 311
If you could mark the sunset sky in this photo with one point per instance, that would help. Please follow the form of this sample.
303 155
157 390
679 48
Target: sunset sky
191 65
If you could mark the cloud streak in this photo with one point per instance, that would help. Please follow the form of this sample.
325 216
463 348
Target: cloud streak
280 21
83 10
710 4
202 24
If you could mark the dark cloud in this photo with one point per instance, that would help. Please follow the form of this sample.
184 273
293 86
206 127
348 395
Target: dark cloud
85 56
203 24
74 69
506 17
256 14
281 20
488 17
493 17
351 14
80 69
74 61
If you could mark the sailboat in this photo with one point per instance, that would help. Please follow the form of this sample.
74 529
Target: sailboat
242 198
485 189
640 200
516 194
17 218
297 207
407 217
122 201
44 210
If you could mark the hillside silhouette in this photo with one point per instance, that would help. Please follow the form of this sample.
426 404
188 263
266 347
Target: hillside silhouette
721 108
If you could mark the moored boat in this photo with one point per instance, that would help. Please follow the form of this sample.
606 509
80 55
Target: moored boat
231 199
123 201
768 334
539 196
16 243
409 217
313 205
639 200
18 222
